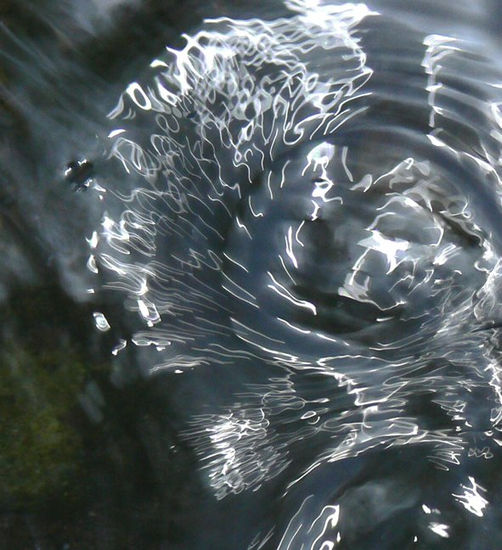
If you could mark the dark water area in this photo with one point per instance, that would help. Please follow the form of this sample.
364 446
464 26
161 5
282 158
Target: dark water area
249 288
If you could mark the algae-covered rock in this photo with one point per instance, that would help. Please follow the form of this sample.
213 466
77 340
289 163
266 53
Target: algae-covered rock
44 366
39 446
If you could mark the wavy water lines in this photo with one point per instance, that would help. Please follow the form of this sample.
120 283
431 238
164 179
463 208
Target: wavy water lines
245 86
307 220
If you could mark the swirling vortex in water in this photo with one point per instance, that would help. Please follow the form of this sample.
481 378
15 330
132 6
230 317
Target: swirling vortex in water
311 210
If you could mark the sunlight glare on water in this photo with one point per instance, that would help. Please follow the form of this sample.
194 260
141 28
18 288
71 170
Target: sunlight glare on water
305 214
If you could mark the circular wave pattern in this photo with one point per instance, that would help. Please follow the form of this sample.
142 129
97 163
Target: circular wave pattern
314 214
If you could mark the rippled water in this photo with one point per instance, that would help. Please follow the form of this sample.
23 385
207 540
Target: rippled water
304 212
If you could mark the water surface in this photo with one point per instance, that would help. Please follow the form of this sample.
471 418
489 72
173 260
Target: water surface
297 209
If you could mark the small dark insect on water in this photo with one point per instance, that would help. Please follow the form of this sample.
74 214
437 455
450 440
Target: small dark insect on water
79 173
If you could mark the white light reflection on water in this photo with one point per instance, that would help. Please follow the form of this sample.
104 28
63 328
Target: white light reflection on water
101 321
471 498
440 529
283 215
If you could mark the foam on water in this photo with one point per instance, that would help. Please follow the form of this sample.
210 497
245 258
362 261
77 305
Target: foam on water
311 210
